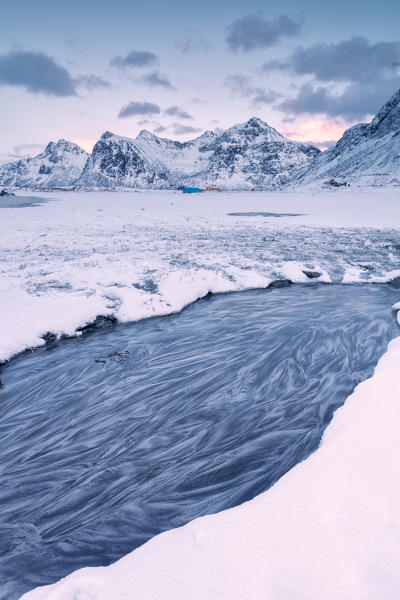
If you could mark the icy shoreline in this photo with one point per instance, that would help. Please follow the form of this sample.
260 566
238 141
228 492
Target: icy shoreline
82 325
134 255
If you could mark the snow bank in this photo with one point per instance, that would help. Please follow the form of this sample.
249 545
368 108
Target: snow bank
330 528
136 255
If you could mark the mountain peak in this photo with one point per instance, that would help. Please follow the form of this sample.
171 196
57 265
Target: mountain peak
62 145
253 131
388 117
147 135
107 134
256 122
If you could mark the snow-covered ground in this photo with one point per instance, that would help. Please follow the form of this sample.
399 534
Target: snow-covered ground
330 528
135 255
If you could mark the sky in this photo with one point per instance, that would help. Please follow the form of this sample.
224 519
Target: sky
76 69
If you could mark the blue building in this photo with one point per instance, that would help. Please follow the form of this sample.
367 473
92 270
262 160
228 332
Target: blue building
188 190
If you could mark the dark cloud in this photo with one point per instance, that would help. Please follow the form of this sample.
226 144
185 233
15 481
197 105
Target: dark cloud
351 78
179 113
256 31
139 108
309 100
135 58
357 101
260 96
37 73
160 129
194 44
356 59
156 79
274 65
180 129
241 85
92 82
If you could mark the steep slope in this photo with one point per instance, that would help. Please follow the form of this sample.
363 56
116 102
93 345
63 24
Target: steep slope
118 161
59 165
367 154
182 158
251 154
248 155
145 162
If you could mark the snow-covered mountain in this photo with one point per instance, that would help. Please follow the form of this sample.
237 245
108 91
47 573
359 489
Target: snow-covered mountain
367 154
145 162
59 165
253 154
247 155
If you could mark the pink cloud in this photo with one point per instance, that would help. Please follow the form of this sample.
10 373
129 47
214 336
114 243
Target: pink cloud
317 131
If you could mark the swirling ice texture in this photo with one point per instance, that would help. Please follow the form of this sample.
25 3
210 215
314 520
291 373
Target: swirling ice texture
109 440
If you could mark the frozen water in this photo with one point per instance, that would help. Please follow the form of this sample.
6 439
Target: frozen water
21 201
110 439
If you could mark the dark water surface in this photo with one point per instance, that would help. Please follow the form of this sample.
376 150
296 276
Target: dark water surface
21 201
108 440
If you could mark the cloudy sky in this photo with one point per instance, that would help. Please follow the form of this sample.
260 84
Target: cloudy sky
78 68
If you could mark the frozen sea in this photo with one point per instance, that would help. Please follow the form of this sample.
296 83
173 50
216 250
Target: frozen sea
123 431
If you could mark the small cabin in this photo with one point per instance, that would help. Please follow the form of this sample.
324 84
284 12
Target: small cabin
209 188
190 190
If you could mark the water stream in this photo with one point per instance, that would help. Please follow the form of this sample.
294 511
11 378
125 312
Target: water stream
110 439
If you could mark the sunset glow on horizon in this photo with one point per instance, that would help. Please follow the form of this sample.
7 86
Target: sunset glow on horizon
317 131
85 143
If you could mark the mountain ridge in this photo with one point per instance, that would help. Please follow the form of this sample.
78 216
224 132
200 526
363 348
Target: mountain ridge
249 155
246 155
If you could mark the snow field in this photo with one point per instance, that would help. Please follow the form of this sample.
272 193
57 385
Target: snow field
136 255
